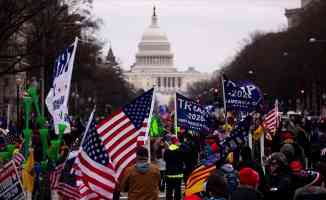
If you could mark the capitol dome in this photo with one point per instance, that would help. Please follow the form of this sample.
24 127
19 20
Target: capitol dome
153 32
154 49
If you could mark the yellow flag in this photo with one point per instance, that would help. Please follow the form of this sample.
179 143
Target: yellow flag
198 177
258 133
28 174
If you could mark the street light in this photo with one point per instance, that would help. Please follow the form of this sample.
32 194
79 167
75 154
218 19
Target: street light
314 40
19 81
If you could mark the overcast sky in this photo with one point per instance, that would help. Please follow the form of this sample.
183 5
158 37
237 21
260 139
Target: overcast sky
203 33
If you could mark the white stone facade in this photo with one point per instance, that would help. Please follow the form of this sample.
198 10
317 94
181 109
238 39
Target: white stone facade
154 65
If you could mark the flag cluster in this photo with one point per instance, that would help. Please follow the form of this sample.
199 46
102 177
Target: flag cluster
110 147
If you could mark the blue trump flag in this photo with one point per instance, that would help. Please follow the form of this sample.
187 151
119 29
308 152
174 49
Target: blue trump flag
241 96
191 115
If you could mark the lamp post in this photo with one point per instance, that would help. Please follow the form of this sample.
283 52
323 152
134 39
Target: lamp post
18 83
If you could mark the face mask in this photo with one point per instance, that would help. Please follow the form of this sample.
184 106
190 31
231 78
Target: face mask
142 166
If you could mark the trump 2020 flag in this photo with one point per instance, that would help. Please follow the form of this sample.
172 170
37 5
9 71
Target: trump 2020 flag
191 115
57 99
241 96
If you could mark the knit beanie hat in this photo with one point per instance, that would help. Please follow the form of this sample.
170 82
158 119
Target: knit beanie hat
296 166
288 151
249 176
142 153
280 158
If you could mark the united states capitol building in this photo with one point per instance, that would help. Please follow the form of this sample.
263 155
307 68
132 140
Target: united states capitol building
154 65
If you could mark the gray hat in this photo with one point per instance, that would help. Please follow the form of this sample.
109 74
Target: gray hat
288 151
280 158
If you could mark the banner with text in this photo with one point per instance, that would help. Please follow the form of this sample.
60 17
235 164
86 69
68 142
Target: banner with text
241 96
10 185
191 115
57 99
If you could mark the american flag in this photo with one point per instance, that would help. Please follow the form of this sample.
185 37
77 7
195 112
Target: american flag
67 185
18 159
93 169
55 175
122 131
272 119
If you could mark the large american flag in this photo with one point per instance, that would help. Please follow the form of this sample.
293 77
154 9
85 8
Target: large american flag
272 119
94 171
122 131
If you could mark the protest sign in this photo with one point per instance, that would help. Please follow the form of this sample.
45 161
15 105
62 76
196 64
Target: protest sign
10 185
191 115
241 96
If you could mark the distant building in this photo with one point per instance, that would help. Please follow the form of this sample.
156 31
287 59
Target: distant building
12 85
154 65
293 15
110 59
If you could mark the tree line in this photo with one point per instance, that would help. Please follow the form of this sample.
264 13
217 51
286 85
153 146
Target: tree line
34 32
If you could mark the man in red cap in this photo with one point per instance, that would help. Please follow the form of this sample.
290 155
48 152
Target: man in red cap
249 181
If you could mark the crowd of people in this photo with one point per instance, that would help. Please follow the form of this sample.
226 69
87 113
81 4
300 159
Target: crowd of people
294 166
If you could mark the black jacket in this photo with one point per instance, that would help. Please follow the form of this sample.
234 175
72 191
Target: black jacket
174 161
244 193
281 187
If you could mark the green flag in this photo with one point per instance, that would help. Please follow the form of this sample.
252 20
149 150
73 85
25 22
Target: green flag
156 129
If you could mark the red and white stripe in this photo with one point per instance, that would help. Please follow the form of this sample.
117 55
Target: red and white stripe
120 138
67 192
272 119
55 176
18 159
94 180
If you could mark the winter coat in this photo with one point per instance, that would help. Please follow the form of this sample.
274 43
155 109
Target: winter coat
246 193
173 158
280 187
231 177
141 183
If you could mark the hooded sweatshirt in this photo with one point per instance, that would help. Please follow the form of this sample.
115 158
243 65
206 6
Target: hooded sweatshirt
141 181
231 177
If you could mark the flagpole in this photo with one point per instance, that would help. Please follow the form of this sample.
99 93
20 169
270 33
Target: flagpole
224 101
149 124
175 115
86 129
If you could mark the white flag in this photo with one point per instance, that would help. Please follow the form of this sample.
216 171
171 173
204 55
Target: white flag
58 96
